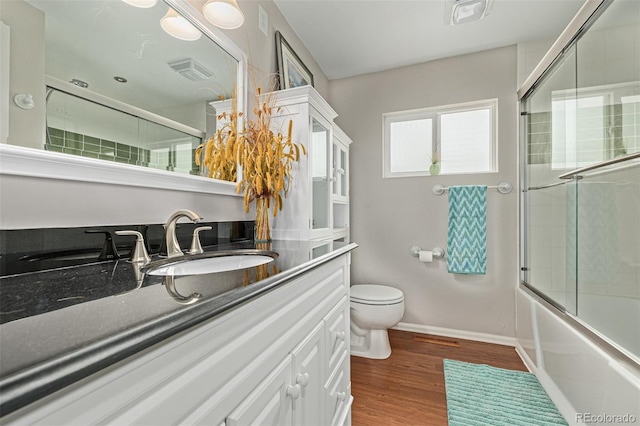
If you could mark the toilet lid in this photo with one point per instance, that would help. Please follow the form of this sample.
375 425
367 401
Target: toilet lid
375 294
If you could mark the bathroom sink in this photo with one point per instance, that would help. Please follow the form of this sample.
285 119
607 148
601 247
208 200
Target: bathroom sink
209 263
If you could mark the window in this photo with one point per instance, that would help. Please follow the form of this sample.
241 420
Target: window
460 138
579 130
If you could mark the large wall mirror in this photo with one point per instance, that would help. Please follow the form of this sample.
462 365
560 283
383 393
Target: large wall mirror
113 81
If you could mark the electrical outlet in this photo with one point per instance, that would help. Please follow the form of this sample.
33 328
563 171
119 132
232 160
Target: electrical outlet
263 21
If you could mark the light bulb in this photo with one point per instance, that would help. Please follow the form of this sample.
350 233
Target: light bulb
177 26
225 14
145 4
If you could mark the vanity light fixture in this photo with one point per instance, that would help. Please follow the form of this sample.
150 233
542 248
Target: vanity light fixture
463 11
225 14
144 4
177 26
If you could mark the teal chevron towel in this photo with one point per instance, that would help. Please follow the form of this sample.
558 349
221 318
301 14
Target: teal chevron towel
481 395
467 238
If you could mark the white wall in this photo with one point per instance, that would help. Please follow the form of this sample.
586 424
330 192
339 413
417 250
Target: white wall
261 48
391 215
529 55
26 70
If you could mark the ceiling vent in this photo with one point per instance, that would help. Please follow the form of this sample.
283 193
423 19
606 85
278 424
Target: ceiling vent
190 69
462 11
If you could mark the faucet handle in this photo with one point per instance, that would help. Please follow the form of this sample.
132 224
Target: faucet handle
109 250
139 252
196 248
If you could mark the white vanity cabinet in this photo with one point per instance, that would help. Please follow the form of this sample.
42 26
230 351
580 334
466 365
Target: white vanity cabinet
279 359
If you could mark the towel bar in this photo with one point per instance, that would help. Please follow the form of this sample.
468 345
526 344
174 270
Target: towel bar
503 188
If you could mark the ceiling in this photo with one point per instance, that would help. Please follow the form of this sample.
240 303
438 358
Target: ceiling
94 41
354 37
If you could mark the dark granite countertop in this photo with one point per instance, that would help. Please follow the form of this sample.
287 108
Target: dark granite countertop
61 325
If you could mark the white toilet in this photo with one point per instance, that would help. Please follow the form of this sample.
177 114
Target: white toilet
374 309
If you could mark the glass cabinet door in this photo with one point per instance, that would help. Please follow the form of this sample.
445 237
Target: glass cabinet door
342 171
336 155
320 174
340 164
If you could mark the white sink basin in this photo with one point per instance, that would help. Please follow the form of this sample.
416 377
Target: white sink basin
209 263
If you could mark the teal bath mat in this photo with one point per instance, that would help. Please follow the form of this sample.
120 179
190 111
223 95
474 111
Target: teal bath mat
481 395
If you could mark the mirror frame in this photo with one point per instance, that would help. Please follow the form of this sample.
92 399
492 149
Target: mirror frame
30 162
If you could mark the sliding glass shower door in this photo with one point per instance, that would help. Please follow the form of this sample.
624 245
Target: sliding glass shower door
581 178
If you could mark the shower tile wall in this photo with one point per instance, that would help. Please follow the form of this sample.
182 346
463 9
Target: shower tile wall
548 267
88 146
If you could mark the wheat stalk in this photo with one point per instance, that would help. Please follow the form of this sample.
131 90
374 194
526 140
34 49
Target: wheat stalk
266 156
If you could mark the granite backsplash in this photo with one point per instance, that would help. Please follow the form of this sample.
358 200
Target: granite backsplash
32 250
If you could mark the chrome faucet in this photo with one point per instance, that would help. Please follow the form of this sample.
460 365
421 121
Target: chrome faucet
173 248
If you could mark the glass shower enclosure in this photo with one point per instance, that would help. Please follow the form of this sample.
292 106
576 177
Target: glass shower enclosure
580 124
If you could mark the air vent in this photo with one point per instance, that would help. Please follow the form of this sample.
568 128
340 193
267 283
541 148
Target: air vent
437 341
190 69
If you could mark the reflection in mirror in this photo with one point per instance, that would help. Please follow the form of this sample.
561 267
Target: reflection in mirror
320 173
113 83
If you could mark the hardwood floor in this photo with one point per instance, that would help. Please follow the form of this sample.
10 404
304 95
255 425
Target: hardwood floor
408 387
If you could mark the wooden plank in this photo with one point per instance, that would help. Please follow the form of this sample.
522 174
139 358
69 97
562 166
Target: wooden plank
408 388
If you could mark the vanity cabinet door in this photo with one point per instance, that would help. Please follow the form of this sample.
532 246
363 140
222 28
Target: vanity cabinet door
337 334
271 402
310 375
339 393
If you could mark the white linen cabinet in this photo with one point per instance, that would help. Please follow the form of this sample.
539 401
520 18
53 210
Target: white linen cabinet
317 204
307 213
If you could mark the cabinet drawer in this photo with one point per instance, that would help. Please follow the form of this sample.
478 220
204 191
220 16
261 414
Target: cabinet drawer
339 391
337 330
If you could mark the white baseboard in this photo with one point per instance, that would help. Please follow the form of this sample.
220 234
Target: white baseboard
459 334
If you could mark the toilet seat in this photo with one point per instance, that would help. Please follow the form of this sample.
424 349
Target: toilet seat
369 294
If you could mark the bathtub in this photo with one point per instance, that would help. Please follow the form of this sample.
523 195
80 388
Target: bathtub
587 382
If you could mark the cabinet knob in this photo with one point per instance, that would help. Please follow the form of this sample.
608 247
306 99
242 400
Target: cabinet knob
341 396
294 391
340 335
302 379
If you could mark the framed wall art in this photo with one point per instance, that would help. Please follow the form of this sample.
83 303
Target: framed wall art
292 71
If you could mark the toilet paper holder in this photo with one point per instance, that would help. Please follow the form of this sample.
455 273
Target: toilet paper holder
438 252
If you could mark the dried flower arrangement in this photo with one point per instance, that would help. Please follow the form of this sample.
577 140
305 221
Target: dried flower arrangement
265 156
